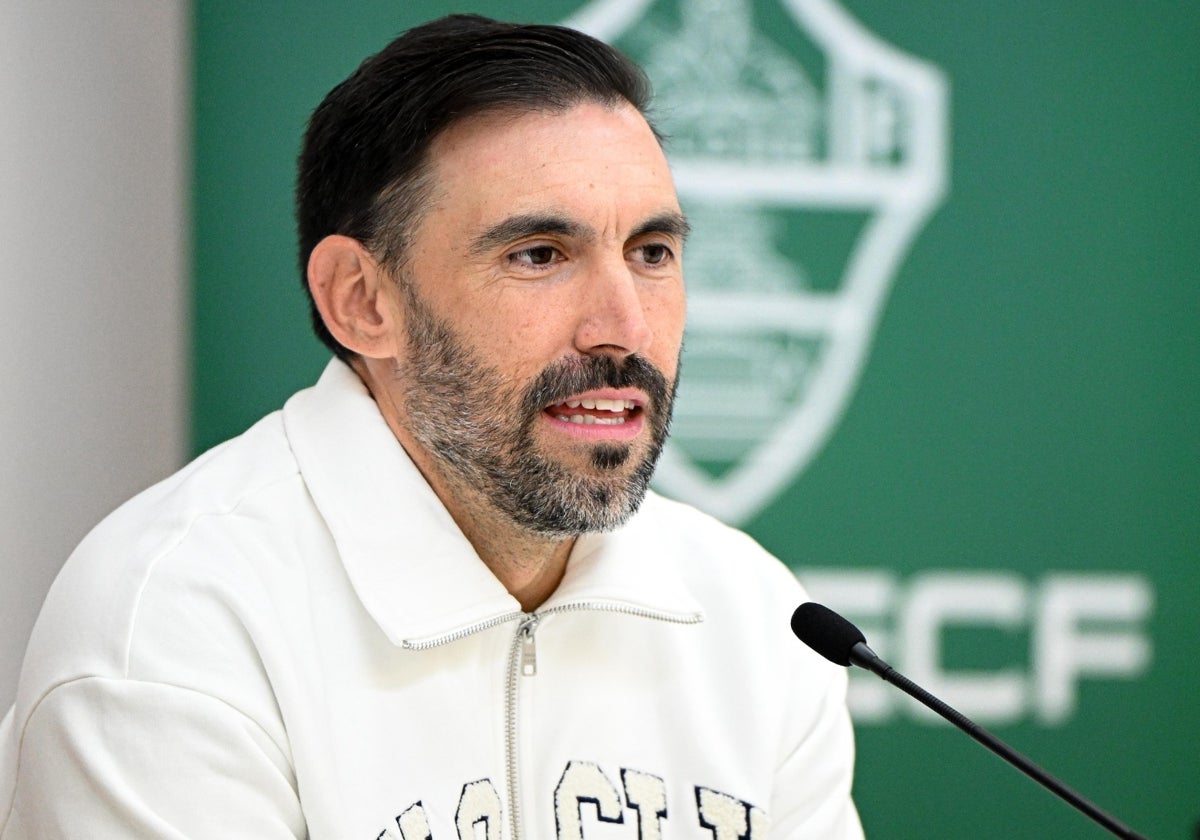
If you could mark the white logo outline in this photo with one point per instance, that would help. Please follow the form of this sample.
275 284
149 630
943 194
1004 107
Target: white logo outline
900 196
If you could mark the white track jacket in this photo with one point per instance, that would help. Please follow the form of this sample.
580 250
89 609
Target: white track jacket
291 638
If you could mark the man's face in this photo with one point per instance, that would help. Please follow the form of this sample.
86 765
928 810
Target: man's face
542 307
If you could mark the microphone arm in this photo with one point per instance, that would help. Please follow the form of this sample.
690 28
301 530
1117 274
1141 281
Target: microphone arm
862 656
823 630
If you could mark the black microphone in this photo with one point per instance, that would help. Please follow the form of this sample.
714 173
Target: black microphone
839 641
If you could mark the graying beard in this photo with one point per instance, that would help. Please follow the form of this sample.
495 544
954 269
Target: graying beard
543 498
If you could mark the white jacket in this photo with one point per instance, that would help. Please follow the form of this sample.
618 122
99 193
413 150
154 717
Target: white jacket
291 638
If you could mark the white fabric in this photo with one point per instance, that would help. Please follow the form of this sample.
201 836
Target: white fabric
240 652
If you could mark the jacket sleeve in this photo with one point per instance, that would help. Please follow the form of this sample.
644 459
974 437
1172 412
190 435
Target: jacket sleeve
117 758
812 786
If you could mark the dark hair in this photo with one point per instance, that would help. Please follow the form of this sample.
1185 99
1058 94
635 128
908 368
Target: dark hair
363 166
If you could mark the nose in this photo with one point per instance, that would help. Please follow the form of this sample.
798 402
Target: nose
612 315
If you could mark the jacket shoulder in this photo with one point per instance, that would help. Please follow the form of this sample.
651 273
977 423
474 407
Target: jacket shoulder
87 624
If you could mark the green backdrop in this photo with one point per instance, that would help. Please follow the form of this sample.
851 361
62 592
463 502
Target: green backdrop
1008 497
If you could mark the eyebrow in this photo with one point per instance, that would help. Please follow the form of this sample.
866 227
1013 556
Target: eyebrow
532 224
527 224
672 224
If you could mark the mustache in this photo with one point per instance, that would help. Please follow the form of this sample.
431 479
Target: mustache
567 377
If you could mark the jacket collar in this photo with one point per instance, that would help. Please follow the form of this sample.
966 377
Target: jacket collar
412 568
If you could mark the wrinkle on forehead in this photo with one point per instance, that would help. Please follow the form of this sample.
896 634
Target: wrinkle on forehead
590 173
512 143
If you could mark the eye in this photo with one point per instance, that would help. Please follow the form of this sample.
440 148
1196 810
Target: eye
654 253
536 256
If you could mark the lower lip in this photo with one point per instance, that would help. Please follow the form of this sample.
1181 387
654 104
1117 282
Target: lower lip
598 431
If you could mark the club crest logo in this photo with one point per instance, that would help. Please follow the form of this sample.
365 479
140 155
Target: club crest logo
808 155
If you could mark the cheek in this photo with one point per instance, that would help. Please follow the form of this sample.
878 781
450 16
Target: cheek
667 315
518 341
521 334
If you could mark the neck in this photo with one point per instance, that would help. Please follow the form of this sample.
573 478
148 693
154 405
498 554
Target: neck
529 565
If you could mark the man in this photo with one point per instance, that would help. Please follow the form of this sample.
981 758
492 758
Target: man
431 597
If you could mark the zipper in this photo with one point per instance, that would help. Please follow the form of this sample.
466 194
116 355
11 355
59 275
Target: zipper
522 662
427 642
523 641
528 652
625 609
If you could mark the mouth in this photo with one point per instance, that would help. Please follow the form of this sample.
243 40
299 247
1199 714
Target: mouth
595 412
597 415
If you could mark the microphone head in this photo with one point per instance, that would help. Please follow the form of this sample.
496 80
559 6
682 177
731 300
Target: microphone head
826 632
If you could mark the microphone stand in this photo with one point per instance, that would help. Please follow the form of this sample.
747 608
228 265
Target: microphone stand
862 656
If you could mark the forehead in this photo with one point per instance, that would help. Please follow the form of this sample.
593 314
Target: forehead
591 158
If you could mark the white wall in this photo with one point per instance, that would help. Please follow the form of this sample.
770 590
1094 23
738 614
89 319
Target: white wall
93 259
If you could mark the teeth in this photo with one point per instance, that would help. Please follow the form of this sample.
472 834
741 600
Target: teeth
601 405
615 406
591 420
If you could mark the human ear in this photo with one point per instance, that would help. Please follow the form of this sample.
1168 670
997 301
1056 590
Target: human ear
351 292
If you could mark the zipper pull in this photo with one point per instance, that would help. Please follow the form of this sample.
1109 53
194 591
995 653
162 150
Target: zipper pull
528 647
